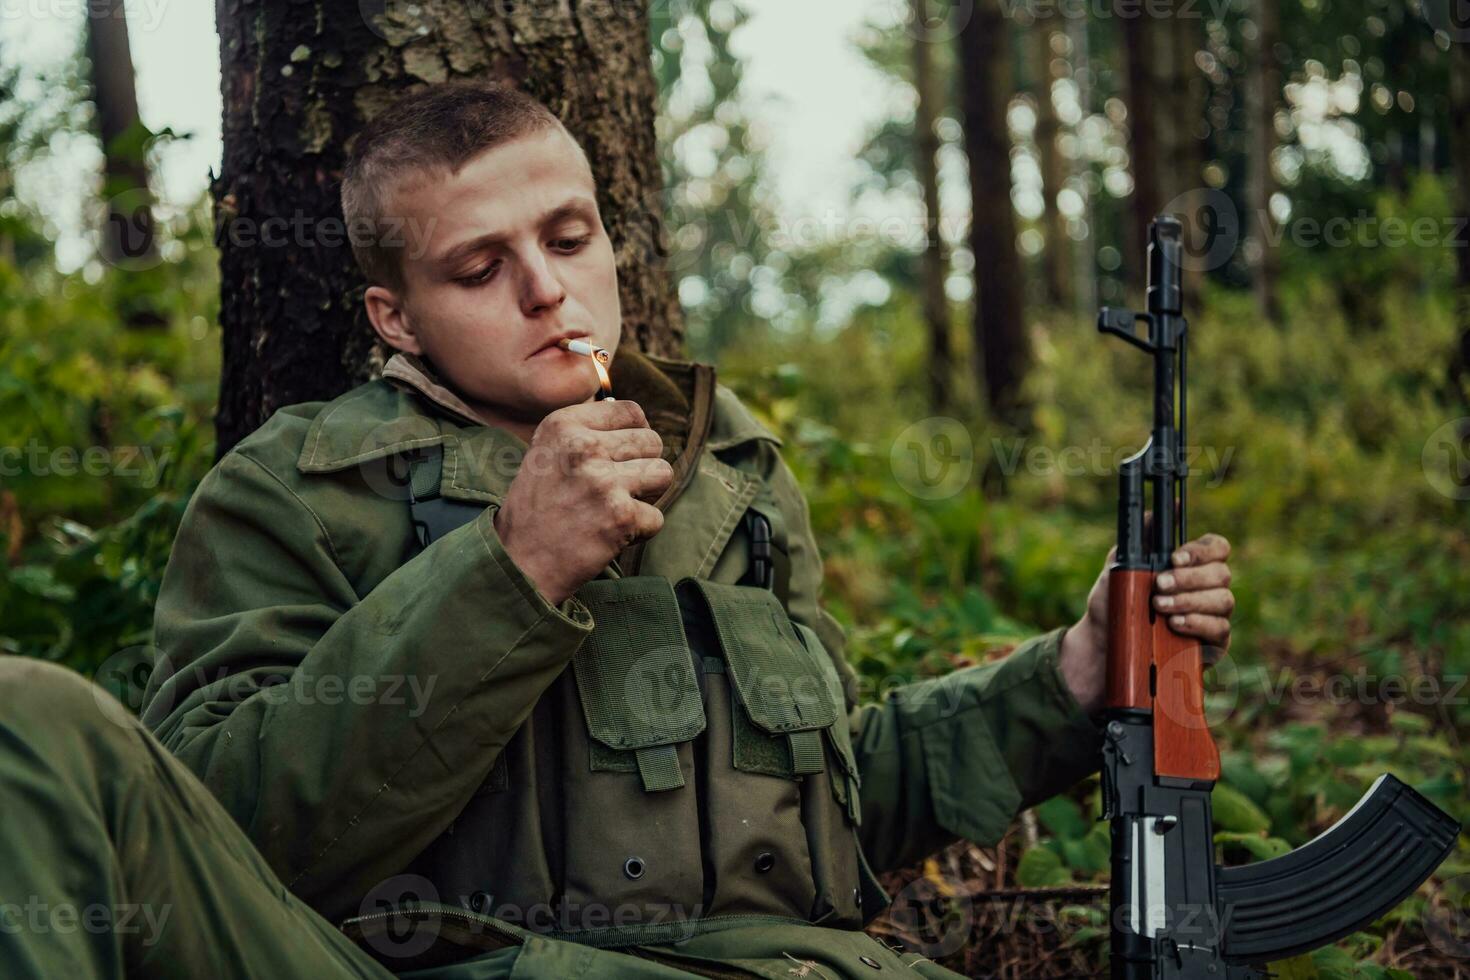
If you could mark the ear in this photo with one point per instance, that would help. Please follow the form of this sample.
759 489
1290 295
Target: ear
385 310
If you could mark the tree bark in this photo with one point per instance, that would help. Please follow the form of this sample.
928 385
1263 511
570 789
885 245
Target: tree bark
1459 116
1054 250
1140 57
934 263
1186 108
1001 347
127 233
300 78
1185 86
1265 96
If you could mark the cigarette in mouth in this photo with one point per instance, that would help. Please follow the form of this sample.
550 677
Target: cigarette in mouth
600 358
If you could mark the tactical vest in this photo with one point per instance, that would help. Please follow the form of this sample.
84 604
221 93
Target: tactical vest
691 768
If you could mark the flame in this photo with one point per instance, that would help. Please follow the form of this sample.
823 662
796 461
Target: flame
599 361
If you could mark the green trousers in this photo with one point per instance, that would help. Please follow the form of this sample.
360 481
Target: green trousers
116 861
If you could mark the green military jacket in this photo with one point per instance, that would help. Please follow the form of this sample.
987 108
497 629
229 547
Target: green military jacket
346 695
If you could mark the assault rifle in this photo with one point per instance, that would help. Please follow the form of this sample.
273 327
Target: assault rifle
1174 913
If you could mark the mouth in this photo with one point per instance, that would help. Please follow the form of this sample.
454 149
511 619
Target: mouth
552 344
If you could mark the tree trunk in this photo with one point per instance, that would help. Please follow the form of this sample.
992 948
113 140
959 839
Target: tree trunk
1459 116
1185 85
1001 347
1139 55
1084 264
1054 251
934 263
127 232
300 78
1265 95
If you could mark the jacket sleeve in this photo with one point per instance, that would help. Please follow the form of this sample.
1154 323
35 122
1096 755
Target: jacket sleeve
342 733
952 757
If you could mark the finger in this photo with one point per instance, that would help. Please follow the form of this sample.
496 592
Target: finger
1205 548
1211 629
608 415
625 444
1215 575
1213 602
1211 654
648 520
644 477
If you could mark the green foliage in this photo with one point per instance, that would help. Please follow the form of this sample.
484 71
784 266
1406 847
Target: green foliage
105 430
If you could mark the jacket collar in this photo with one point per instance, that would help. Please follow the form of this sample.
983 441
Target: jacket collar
410 407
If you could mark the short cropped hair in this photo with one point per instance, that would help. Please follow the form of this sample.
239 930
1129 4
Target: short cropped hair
441 126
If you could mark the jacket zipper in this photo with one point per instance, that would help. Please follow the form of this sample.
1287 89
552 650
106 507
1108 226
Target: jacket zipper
443 910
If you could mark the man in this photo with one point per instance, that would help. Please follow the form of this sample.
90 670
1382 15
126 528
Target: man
497 679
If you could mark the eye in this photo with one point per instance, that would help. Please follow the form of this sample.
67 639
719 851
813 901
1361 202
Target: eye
570 244
481 277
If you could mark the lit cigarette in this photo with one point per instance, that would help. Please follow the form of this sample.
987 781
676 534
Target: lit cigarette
600 358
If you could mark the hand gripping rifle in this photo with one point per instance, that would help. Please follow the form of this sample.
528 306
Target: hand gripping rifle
1174 913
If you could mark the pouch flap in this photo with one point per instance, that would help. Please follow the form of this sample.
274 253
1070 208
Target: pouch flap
635 674
776 678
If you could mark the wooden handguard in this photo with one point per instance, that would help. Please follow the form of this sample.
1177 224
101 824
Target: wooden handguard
1152 668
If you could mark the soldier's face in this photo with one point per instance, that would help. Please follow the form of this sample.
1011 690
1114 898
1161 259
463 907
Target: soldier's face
504 258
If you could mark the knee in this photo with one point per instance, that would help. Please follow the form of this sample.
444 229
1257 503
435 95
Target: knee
38 697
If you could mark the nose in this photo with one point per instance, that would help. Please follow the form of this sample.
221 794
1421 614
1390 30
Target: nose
541 291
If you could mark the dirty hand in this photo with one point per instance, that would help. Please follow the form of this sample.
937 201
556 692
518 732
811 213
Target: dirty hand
582 494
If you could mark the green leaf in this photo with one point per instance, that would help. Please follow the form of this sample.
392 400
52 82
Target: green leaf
1333 964
1296 968
1040 868
1234 811
1063 817
1261 848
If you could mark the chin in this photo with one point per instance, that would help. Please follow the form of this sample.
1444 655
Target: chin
571 391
